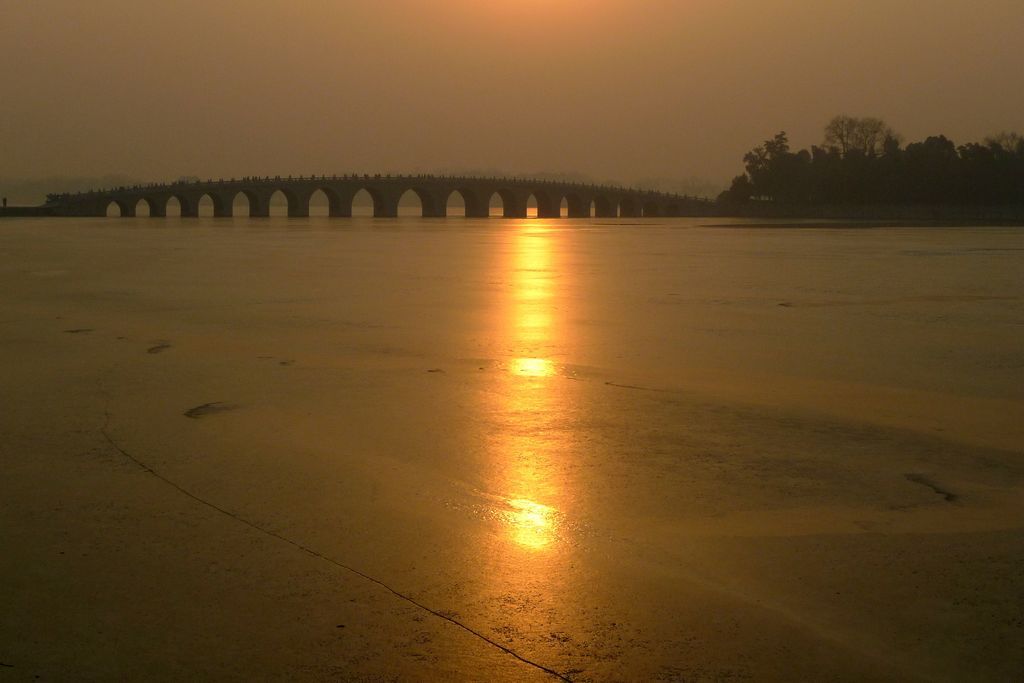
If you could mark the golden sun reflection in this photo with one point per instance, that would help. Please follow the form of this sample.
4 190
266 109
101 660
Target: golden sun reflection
533 524
533 367
530 448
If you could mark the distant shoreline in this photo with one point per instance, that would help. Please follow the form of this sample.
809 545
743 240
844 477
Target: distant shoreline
910 213
863 224
777 216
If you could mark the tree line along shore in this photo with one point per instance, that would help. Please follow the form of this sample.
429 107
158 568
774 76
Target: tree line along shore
864 167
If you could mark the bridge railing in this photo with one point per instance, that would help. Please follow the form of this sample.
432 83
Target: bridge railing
270 180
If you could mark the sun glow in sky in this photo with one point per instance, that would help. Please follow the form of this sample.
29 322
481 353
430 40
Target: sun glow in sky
614 90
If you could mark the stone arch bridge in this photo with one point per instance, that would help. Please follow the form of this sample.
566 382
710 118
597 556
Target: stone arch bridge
433 191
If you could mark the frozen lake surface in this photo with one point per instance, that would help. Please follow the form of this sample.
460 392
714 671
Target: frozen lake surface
477 449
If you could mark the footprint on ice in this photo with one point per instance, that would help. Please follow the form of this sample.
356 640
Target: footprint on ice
208 409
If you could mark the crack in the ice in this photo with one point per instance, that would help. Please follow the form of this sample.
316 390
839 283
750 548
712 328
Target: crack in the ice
314 553
921 479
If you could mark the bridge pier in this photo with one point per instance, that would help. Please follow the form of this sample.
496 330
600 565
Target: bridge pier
515 207
334 207
478 203
385 204
548 205
652 210
223 204
579 206
259 207
514 202
629 208
157 207
434 203
605 207
259 203
189 205
298 202
339 200
388 210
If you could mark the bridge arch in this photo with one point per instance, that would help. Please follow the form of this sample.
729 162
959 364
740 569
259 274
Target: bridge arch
205 206
147 207
119 208
173 207
526 203
432 203
500 200
222 204
514 204
240 204
328 195
357 205
179 204
248 203
474 203
456 203
549 204
291 205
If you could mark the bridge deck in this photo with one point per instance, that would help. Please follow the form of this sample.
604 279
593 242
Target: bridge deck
386 191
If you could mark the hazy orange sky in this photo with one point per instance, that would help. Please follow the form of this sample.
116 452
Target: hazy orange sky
614 89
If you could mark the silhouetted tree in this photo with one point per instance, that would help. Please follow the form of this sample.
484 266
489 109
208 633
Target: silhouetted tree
1011 143
775 173
740 191
862 162
930 171
867 136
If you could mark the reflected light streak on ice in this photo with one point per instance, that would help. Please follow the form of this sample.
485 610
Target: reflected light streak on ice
533 367
529 447
532 523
